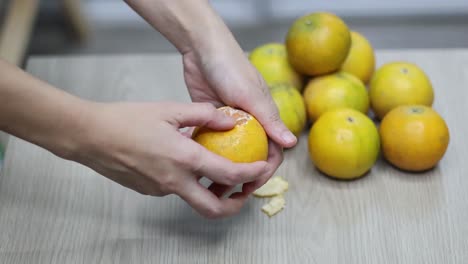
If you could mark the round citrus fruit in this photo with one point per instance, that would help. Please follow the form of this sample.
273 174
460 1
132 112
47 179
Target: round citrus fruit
399 83
291 107
318 43
246 142
361 58
344 143
336 90
414 137
271 60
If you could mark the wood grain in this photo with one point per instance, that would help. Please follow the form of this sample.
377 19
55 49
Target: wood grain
56 211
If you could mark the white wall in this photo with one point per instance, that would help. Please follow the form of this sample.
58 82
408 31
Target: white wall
371 7
240 12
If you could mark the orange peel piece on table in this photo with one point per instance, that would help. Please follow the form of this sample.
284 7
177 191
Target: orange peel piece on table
274 206
274 186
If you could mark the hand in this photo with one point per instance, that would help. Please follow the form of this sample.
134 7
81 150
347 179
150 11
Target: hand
227 78
140 147
215 67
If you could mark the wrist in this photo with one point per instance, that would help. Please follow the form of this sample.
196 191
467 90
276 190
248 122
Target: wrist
190 25
35 111
209 33
72 129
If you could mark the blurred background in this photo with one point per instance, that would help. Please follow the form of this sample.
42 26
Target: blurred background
111 27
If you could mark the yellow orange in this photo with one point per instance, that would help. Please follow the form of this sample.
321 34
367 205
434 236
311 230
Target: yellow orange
246 142
318 43
361 59
399 83
271 60
334 91
414 137
291 107
344 143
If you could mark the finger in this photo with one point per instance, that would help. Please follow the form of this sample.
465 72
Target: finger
219 189
275 158
199 114
261 105
208 204
202 161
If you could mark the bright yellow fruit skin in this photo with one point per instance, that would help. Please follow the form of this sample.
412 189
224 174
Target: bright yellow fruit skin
271 60
332 91
344 144
246 142
318 43
291 107
399 83
361 58
414 137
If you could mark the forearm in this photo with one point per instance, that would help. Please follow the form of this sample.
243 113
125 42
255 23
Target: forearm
37 112
188 24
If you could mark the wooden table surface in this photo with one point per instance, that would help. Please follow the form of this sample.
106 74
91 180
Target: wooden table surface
56 211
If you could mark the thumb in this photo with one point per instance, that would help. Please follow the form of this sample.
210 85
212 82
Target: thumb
266 112
199 114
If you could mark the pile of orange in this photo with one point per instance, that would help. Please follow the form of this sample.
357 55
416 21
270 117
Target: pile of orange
324 77
324 74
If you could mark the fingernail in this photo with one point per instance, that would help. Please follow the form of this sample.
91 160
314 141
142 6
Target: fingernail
288 137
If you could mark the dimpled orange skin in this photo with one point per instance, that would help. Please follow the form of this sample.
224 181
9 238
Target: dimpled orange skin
318 43
399 83
414 137
246 142
344 143
361 58
332 91
271 60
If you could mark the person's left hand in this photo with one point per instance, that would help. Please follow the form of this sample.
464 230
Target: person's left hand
225 77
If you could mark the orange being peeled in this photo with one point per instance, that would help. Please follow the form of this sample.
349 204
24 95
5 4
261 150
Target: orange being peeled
318 43
360 61
332 91
344 143
246 142
414 137
399 83
271 60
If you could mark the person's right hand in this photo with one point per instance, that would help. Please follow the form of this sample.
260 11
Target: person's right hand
140 146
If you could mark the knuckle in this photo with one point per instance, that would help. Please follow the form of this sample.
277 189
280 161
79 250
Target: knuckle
244 173
274 115
192 161
258 79
231 179
266 177
167 184
214 212
261 84
207 108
